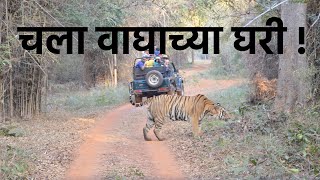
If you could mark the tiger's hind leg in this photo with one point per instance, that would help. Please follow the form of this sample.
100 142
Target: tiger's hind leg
149 125
157 130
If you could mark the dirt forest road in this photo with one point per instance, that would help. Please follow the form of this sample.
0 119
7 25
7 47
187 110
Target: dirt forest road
115 146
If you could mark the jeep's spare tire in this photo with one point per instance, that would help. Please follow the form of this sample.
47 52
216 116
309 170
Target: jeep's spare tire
154 79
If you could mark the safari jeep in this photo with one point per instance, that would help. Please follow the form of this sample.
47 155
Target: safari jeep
154 81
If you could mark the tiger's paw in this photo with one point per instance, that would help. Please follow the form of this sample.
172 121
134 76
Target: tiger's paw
157 133
198 135
145 134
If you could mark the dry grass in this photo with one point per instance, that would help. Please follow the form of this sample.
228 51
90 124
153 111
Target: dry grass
48 143
225 151
198 158
255 144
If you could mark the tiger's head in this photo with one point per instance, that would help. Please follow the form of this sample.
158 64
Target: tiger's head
222 112
216 110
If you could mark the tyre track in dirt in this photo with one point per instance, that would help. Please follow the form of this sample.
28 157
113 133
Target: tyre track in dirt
115 146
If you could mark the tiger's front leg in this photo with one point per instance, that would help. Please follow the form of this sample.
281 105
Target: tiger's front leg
149 125
196 129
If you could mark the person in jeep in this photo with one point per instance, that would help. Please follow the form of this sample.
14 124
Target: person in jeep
168 71
141 63
149 63
157 62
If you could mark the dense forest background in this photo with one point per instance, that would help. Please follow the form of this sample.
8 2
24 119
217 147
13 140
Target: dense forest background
26 77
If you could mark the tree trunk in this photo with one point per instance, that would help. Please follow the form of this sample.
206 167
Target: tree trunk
115 71
1 16
192 56
293 83
89 58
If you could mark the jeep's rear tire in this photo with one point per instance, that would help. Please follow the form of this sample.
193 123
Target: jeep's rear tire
138 100
154 79
181 92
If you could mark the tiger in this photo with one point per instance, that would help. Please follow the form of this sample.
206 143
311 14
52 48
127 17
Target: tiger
184 108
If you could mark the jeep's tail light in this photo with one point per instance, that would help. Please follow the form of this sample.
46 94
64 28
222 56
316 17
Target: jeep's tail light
138 91
164 89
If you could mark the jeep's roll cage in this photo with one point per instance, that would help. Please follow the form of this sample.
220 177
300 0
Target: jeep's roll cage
136 60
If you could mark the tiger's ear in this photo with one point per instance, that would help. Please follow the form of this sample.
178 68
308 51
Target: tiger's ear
218 104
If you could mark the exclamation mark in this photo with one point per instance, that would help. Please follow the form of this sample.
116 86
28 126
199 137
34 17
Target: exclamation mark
301 50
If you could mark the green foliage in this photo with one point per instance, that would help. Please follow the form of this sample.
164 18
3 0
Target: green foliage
207 125
134 171
100 13
5 51
98 97
11 131
224 70
131 172
16 132
14 164
230 98
68 69
300 1
227 65
290 143
261 144
303 137
4 131
94 14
